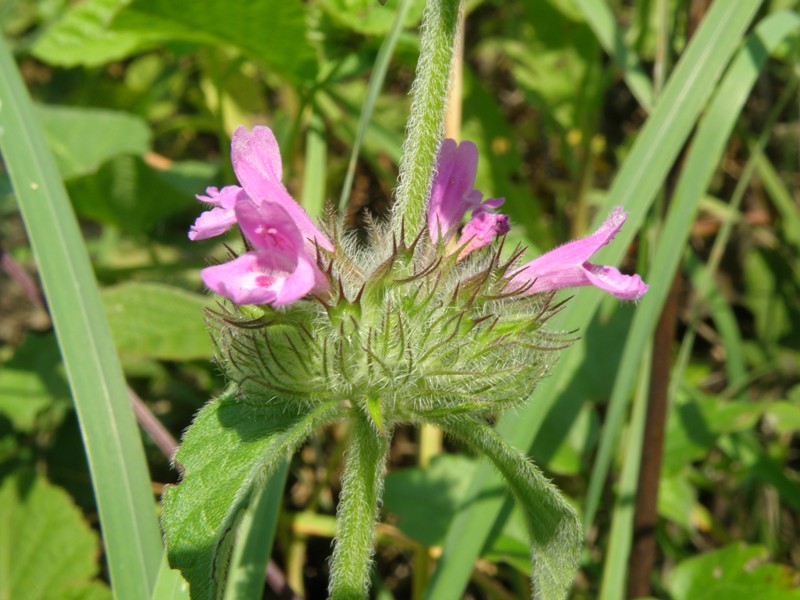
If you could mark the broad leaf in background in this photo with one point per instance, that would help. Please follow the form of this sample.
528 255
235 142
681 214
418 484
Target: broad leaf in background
157 321
424 501
369 17
84 138
133 196
82 37
736 572
271 31
47 551
32 382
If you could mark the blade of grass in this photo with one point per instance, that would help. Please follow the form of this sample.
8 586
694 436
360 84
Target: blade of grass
314 166
111 438
373 89
619 540
254 540
643 173
703 157
600 18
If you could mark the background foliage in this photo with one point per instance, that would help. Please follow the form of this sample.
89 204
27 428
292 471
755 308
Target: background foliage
137 101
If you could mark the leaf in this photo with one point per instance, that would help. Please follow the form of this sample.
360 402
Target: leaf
736 572
695 424
553 526
46 549
232 447
111 438
425 500
273 31
84 138
82 37
33 381
157 321
131 195
369 17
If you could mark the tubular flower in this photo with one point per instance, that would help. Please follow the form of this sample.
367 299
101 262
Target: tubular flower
452 196
569 266
282 266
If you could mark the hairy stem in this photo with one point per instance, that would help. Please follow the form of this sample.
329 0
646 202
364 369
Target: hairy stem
362 484
426 121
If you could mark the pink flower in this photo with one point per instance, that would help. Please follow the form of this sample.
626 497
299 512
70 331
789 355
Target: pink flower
568 266
281 268
452 197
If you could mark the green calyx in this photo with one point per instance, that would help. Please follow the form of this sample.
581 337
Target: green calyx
407 331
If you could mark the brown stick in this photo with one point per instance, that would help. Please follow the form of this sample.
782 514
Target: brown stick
643 550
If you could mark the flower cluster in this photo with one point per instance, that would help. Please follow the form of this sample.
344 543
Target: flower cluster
283 265
405 330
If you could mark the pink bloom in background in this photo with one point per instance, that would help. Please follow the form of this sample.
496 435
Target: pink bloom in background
569 266
452 197
281 268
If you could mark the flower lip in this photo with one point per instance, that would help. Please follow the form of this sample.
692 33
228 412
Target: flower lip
569 266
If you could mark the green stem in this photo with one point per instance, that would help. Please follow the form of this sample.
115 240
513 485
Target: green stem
426 121
362 484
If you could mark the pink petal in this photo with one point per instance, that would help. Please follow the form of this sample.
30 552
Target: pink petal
568 266
257 162
609 279
481 230
212 222
225 198
269 227
262 278
220 218
455 175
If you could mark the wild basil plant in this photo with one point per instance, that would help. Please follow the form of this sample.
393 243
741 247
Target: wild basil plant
429 321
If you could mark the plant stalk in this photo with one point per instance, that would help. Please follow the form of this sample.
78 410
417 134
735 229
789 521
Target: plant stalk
426 121
362 485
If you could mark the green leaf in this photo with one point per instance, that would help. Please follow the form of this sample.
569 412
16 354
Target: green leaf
425 500
82 37
369 17
272 31
47 551
695 424
110 435
553 525
232 447
33 381
784 416
134 197
157 321
736 572
84 138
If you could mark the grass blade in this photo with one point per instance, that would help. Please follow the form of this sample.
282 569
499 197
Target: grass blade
374 88
615 567
600 18
111 438
254 540
641 176
314 168
704 156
